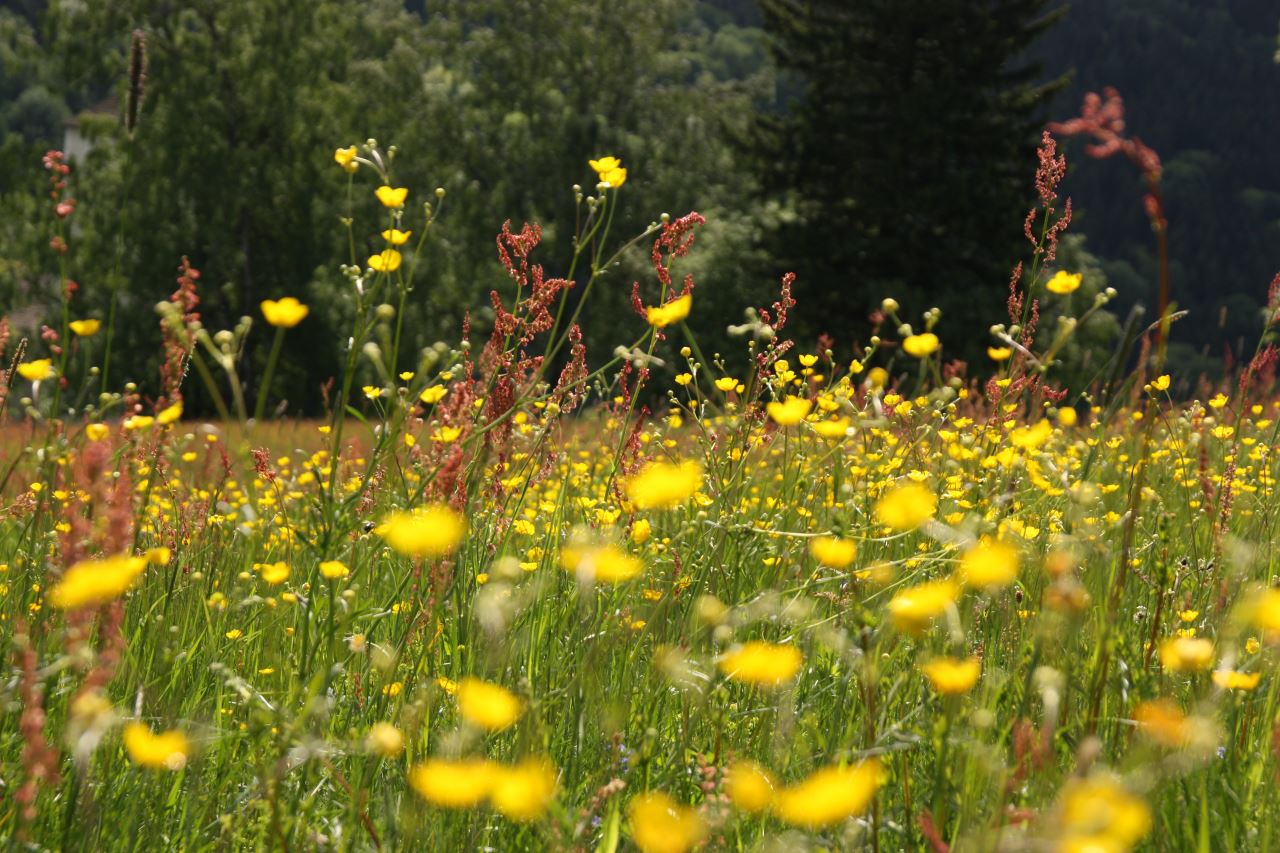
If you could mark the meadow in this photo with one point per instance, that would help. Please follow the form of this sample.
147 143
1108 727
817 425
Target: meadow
511 595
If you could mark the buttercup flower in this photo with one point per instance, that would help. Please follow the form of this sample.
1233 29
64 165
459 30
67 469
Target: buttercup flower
1064 282
919 346
36 371
85 328
388 260
391 196
346 158
671 312
284 313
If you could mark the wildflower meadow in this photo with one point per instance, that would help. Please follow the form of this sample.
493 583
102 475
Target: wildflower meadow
510 594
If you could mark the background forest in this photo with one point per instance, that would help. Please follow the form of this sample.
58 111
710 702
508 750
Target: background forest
874 147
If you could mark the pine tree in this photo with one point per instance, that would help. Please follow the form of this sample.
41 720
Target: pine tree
907 154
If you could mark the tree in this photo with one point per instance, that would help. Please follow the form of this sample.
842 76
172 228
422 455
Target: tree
907 154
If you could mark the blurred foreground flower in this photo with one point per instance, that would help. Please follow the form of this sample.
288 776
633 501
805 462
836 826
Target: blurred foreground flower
906 507
163 751
93 582
661 485
830 795
762 664
488 706
432 531
661 825
671 312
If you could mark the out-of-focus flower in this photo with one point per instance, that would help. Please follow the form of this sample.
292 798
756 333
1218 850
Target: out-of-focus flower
1064 282
949 676
830 795
164 751
989 564
671 312
762 664
284 313
662 485
489 706
790 411
833 551
906 507
919 346
36 371
92 582
432 531
453 784
914 608
661 825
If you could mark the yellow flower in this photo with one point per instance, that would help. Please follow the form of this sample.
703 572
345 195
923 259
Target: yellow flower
726 383
373 392
906 507
949 676
391 197
488 706
834 428
1030 438
36 371
285 313
790 411
431 531
641 530
661 825
830 795
832 551
751 788
1064 282
1219 401
761 663
346 158
1163 721
605 164
334 569
96 432
522 792
234 634
1231 680
1098 815
999 353
388 260
919 346
138 422
384 740
434 394
85 328
1264 611
609 170
396 237
671 312
93 582
1186 654
1161 383
607 564
169 414
164 751
989 564
274 573
460 784
661 485
915 608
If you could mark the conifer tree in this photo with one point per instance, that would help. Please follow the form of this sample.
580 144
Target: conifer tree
906 154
